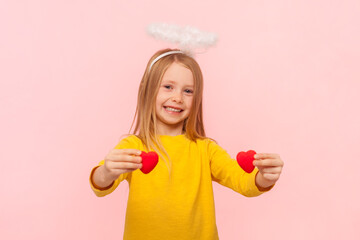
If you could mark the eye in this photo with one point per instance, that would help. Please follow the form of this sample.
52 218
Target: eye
167 86
189 91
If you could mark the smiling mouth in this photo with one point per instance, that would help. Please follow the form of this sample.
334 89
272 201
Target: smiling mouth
171 109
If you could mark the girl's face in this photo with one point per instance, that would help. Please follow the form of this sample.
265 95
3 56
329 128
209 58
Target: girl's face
174 99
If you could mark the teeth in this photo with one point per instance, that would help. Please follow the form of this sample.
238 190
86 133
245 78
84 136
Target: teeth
172 109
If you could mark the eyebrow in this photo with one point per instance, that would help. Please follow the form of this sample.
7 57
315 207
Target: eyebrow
171 81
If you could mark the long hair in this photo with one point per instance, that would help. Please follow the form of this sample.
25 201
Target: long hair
145 115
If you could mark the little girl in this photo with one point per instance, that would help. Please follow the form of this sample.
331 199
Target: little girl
175 200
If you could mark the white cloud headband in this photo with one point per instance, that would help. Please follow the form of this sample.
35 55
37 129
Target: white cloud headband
189 39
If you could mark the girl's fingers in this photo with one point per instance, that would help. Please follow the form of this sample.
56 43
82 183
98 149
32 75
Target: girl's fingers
268 163
266 155
125 158
129 158
272 170
125 165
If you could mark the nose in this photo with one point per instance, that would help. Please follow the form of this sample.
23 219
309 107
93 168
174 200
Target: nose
177 97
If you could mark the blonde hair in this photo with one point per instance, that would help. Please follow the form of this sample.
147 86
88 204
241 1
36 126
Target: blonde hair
145 114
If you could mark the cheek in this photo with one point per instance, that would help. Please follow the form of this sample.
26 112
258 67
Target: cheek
162 97
190 102
159 98
158 103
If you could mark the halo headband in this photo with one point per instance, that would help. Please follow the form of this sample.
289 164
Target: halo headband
189 39
163 55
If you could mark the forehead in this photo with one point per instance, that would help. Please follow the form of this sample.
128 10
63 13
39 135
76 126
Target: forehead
178 74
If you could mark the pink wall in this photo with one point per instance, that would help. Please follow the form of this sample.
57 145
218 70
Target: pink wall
284 78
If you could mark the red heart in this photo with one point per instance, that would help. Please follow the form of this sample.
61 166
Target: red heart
245 160
149 161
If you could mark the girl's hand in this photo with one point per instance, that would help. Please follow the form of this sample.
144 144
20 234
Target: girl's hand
119 161
270 166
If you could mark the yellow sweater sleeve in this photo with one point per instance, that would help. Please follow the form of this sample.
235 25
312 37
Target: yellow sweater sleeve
128 142
227 172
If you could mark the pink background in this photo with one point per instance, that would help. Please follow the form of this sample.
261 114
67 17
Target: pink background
283 78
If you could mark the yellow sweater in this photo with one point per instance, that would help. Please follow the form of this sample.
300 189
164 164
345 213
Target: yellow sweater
180 207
